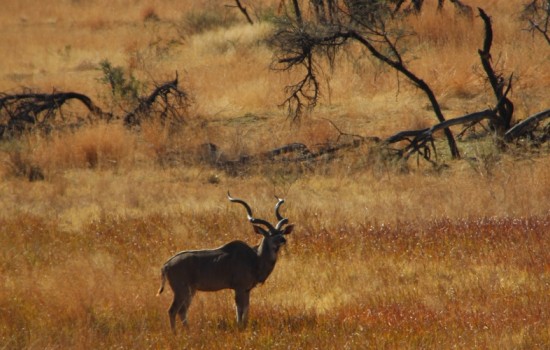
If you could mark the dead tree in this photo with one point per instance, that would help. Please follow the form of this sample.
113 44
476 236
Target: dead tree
369 24
25 111
302 44
20 112
419 142
169 101
498 83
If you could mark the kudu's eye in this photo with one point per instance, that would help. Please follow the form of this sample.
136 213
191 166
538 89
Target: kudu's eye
278 240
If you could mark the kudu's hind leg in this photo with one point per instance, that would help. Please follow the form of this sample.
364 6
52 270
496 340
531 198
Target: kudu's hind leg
180 304
187 297
174 310
242 299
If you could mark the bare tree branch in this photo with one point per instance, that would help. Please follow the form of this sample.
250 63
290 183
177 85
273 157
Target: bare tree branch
162 92
297 12
505 106
537 14
244 11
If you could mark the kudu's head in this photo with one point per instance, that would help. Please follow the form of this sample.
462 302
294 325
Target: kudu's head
274 236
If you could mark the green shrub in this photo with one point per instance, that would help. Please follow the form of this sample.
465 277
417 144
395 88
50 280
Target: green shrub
126 88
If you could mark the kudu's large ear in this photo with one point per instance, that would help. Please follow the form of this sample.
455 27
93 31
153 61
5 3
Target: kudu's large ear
260 230
288 230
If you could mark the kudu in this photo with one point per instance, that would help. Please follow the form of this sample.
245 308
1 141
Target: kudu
235 265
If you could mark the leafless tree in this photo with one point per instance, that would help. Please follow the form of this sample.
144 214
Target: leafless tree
27 110
497 81
371 24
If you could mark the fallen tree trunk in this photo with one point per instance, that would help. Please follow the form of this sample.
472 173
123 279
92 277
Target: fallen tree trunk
525 126
418 139
28 109
36 103
23 111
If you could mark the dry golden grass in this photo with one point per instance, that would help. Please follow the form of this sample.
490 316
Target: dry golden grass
384 255
49 46
470 283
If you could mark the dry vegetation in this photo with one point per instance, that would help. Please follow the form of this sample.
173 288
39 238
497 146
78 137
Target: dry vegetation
383 256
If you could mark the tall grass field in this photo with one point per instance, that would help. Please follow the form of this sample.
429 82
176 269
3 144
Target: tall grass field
384 254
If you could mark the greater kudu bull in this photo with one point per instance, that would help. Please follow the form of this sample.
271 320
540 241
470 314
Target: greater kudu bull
235 265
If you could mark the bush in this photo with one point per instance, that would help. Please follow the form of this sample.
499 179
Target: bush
125 88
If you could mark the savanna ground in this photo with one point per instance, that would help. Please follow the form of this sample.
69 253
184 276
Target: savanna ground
383 256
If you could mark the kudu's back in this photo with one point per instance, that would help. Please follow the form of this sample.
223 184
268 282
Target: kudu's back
232 266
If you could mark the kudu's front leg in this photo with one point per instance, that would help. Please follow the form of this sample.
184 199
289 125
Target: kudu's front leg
242 300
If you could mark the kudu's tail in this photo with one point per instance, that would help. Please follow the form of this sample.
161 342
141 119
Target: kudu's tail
163 281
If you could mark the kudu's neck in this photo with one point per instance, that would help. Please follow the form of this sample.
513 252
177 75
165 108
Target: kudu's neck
267 257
